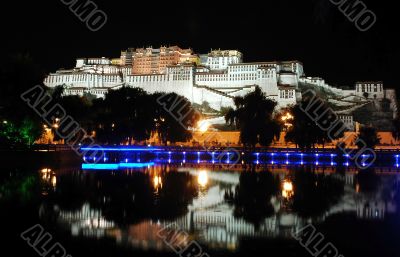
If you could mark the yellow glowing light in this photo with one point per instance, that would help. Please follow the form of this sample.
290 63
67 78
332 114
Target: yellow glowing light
287 186
202 178
55 126
54 181
203 125
287 116
157 181
287 189
45 170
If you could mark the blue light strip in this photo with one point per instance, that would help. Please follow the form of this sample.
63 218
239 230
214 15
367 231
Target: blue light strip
100 166
120 149
114 166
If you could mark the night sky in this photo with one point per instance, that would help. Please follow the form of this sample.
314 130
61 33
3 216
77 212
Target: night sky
312 31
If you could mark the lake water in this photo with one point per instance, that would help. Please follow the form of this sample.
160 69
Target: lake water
156 208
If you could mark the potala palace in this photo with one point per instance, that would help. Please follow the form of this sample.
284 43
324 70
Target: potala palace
216 77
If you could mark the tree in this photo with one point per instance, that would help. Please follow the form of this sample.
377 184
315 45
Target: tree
305 132
396 128
367 137
315 193
21 125
251 197
124 115
174 116
253 116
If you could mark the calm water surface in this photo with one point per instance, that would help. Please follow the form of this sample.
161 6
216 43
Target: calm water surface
229 210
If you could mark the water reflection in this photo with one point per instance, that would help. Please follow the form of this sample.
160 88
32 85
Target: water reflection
202 178
217 207
287 189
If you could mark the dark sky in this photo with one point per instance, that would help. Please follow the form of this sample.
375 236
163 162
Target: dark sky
312 31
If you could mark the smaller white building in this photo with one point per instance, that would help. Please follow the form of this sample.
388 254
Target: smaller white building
348 121
370 90
220 59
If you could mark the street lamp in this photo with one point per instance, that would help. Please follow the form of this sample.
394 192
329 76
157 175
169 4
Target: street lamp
287 118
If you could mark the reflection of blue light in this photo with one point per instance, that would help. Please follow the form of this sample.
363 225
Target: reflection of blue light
272 162
287 154
332 155
84 158
287 162
332 164
126 160
114 166
301 163
316 154
316 163
347 164
135 165
272 154
100 166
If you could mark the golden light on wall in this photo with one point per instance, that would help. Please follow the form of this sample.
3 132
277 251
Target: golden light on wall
203 126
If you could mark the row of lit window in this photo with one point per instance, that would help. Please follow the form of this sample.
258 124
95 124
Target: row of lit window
286 94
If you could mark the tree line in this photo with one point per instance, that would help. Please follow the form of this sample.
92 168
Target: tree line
131 115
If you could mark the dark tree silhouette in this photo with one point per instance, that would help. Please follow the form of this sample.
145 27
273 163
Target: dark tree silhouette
396 128
253 116
315 193
174 116
305 132
251 198
20 125
367 137
124 115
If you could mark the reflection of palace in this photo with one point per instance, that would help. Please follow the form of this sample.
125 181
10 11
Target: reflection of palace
210 219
